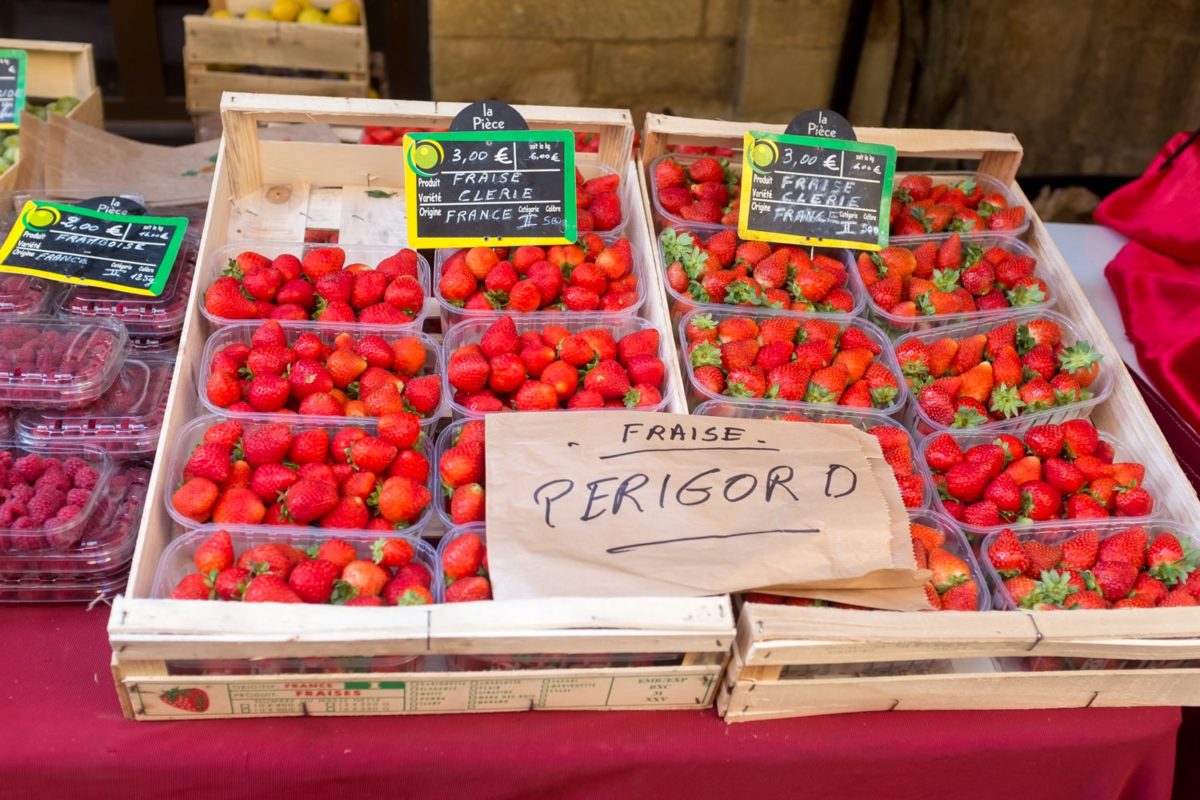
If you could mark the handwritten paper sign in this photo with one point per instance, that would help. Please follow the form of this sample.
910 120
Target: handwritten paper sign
643 504
12 87
72 244
490 183
816 191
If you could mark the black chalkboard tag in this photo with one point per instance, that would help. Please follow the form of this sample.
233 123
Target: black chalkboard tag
824 190
489 115
113 204
12 87
71 244
490 180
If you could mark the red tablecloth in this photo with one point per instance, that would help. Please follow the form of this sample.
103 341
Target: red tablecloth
62 736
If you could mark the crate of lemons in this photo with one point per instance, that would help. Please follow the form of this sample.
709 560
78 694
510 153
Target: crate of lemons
10 145
343 12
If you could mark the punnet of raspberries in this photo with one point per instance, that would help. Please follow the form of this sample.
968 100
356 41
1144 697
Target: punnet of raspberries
463 557
723 269
950 277
702 190
461 472
47 362
1058 471
388 572
1094 569
598 203
546 367
588 276
1013 369
46 500
320 286
325 475
921 206
351 374
954 583
788 358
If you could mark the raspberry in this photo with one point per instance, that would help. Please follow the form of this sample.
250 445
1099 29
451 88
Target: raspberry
73 465
51 463
67 513
86 478
78 497
13 479
24 493
7 516
53 478
25 524
44 505
29 467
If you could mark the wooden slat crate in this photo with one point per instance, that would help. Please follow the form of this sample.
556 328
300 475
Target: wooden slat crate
54 70
211 43
791 661
668 652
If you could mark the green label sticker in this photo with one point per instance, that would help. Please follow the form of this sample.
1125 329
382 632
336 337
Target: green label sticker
71 244
816 191
12 87
493 187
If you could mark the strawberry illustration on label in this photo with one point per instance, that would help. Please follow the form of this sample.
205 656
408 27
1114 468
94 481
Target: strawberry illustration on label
195 700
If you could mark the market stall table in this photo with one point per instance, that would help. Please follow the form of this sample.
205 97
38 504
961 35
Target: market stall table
63 736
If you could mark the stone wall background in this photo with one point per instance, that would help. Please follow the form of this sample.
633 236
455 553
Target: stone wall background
1091 87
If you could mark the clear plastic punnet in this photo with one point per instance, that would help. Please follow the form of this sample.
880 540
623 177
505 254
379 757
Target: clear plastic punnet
126 420
471 332
49 495
452 314
330 335
864 421
886 356
176 562
682 302
46 362
24 294
986 183
664 218
148 319
967 440
191 435
224 259
898 324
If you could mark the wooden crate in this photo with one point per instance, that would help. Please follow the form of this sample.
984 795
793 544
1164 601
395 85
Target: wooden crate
211 43
275 190
54 70
773 638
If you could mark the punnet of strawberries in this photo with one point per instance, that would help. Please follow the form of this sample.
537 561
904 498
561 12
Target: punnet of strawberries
320 286
950 277
333 477
954 584
386 572
894 441
1057 471
1093 569
788 358
1013 369
461 471
463 557
724 269
358 375
588 276
705 189
920 206
597 203
546 367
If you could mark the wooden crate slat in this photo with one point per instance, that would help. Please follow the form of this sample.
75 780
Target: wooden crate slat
327 48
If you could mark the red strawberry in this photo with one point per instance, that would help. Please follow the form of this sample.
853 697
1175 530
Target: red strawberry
943 452
308 500
966 481
1007 555
313 580
1114 579
500 337
225 299
470 589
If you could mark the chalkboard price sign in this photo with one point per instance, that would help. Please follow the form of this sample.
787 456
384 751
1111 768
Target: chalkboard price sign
816 191
70 244
492 187
12 87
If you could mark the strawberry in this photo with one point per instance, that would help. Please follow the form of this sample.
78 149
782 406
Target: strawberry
230 583
270 588
463 556
1134 503
195 499
401 500
424 394
942 452
391 552
827 384
1079 552
307 500
936 402
1007 555
1041 501
1045 441
966 481
1114 579
541 396
500 337
948 570
668 173
1040 557
1063 475
312 581
1084 506
1023 590
192 587
360 579
1006 219
609 379
224 299
468 590
467 504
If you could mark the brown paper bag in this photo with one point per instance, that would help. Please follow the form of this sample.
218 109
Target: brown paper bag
642 504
